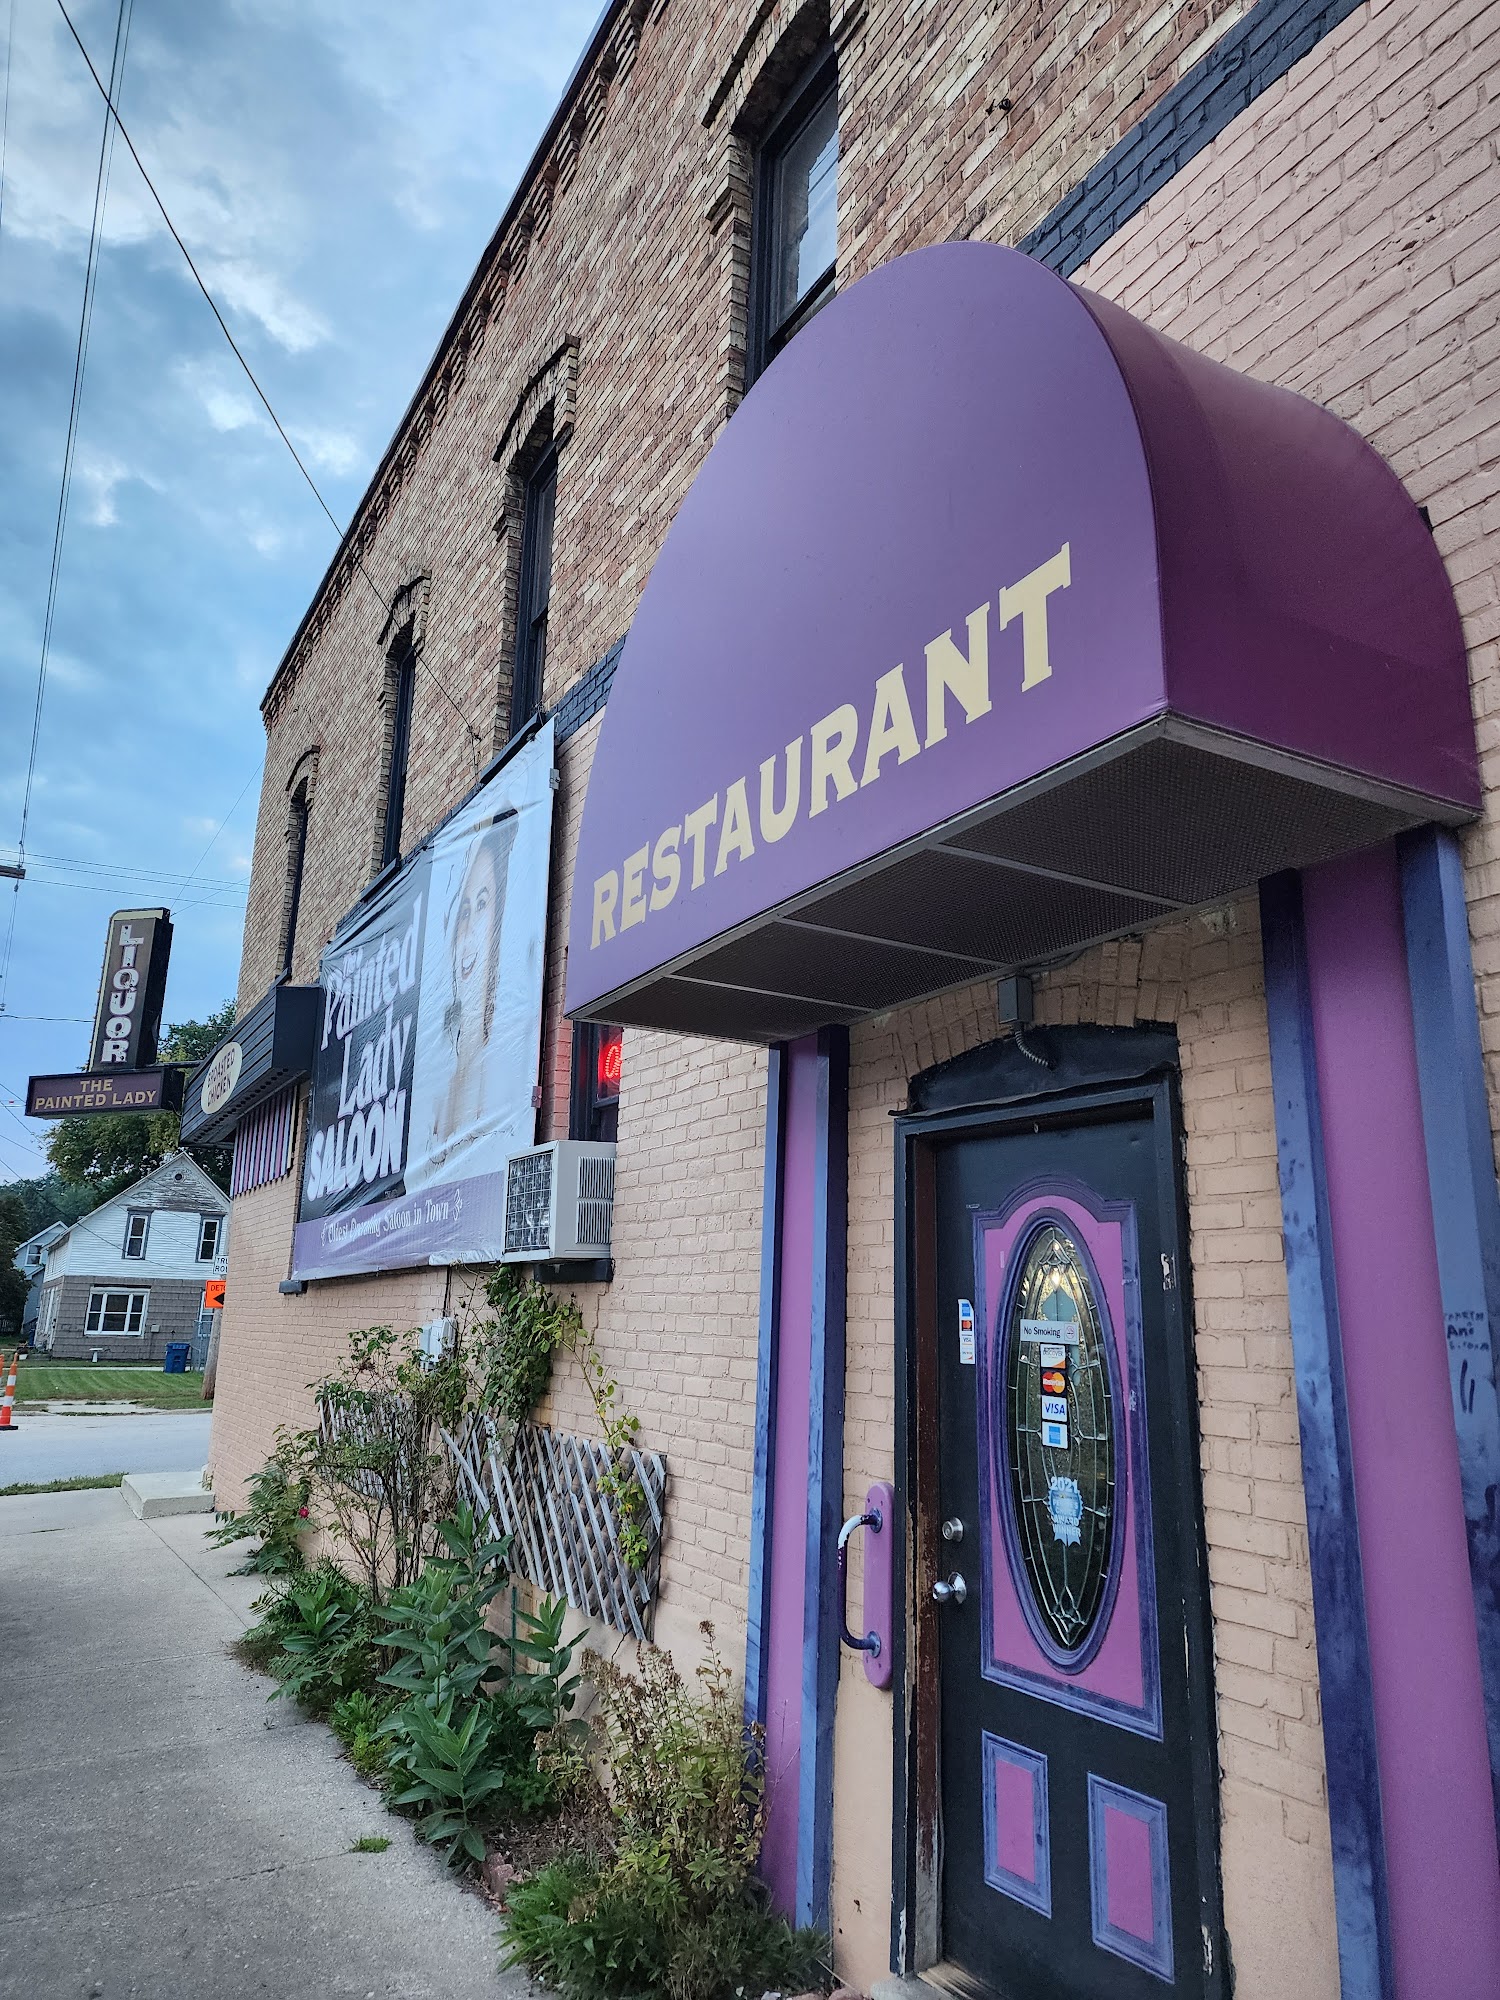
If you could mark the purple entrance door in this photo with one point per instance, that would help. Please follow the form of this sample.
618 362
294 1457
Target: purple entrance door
1077 1781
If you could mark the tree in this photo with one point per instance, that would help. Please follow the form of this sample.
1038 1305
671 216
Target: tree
13 1287
110 1149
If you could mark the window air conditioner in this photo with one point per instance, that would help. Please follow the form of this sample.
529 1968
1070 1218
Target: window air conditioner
559 1202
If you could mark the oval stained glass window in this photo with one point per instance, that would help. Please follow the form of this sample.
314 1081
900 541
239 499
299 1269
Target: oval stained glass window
1058 1426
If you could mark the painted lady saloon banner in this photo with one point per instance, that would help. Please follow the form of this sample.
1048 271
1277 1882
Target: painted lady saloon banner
426 1058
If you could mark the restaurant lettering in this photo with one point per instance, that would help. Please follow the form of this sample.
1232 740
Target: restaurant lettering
842 753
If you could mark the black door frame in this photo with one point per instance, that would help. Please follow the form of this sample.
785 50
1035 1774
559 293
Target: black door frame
1092 1073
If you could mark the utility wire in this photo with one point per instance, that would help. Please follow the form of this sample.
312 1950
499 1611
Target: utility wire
342 533
60 526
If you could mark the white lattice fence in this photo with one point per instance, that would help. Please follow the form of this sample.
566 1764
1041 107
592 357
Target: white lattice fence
545 1495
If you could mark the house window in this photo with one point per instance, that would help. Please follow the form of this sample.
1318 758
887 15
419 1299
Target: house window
116 1312
137 1227
595 1109
296 843
796 215
402 685
210 1229
535 590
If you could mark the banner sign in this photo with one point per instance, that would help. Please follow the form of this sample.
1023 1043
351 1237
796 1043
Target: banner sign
425 1065
81 1094
127 1020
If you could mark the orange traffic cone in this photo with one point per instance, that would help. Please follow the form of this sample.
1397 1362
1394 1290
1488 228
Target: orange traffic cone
7 1401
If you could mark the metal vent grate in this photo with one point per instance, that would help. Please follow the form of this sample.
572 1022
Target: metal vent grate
596 1201
528 1202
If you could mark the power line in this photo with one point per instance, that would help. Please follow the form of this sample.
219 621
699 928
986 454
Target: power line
342 533
136 874
59 531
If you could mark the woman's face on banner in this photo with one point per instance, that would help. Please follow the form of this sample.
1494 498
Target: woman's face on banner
473 928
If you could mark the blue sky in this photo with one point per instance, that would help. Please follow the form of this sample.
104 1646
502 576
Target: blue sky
335 169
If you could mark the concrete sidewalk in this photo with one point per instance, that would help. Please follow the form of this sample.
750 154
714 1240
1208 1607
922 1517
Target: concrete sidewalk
167 1833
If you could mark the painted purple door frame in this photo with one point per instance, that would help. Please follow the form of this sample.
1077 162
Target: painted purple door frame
1465 1210
792 1658
1366 1296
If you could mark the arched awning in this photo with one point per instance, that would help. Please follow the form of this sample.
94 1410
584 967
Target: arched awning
994 624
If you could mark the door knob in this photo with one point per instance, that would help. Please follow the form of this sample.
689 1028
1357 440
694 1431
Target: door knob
953 1591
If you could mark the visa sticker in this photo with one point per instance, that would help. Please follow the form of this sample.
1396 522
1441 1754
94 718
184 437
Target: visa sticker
1055 1408
1055 1436
965 1333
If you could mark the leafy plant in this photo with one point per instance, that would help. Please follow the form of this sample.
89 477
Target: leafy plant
451 1772
326 1640
357 1720
676 1911
545 1688
276 1511
381 1477
530 1325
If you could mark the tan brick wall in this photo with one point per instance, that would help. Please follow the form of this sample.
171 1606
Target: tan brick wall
1276 1854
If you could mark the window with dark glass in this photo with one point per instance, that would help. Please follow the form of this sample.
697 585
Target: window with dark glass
796 218
535 590
210 1228
137 1227
296 855
404 687
595 1109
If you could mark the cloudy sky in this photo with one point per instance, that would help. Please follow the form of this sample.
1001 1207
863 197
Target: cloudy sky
335 167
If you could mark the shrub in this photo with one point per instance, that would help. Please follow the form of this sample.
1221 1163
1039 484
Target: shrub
276 1511
327 1640
356 1720
676 1911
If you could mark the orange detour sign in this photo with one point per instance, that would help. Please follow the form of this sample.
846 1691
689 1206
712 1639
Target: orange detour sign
213 1294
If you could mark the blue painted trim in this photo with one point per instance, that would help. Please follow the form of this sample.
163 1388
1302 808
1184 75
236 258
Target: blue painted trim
1037 1893
825 1480
757 1622
1465 1209
1153 1954
1145 1720
1252 55
1354 1809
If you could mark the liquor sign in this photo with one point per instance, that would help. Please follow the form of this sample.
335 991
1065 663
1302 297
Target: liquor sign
131 990
82 1093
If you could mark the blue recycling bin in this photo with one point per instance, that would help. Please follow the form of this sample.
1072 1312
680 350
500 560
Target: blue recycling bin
176 1359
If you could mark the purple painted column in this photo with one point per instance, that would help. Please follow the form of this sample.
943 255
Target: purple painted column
785 1583
1442 1866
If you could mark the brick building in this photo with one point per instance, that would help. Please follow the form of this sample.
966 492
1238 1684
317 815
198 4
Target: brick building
1236 839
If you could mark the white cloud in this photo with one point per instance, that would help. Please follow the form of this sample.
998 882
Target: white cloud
243 287
329 450
99 473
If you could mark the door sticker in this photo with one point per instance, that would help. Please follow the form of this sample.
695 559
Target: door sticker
966 1333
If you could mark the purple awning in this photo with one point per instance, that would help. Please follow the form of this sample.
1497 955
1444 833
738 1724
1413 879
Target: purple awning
993 624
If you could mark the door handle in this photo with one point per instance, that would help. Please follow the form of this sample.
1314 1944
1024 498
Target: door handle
953 1591
872 1519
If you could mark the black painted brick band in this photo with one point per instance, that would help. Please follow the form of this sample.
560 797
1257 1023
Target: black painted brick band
1252 55
588 694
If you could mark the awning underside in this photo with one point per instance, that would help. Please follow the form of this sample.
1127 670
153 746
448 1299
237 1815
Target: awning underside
1167 821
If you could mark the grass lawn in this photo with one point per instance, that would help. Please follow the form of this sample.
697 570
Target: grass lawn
84 1484
45 1381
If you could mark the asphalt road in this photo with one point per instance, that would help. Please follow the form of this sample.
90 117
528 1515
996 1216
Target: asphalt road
65 1447
169 1834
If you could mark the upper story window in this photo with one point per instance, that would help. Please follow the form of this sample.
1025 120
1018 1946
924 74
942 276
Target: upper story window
535 592
296 856
796 215
595 1109
401 686
210 1230
137 1228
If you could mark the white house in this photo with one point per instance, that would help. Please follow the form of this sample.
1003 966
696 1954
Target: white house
31 1261
127 1279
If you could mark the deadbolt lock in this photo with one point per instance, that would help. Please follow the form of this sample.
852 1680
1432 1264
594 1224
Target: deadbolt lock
953 1531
